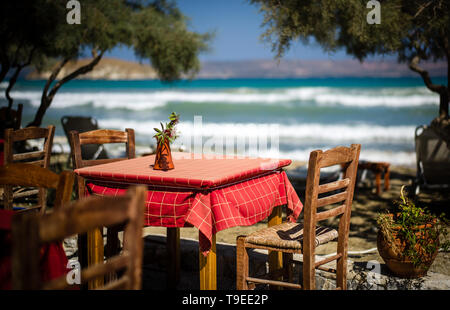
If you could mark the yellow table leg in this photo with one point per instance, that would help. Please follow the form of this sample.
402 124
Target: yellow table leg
208 267
95 254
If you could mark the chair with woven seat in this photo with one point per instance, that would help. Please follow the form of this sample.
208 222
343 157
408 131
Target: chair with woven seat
83 124
99 137
14 153
303 238
29 232
25 174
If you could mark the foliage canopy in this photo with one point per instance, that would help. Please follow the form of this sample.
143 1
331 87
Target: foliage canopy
36 32
414 30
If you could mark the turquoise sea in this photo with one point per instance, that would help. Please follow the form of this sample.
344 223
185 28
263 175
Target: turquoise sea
291 116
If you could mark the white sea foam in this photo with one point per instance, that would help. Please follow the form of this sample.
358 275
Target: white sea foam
140 100
297 135
395 158
305 132
373 101
402 158
111 100
300 138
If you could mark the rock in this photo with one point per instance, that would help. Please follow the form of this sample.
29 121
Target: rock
106 69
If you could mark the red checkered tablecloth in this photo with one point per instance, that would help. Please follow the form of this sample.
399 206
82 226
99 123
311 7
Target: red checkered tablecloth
211 195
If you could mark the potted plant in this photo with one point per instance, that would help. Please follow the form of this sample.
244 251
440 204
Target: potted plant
164 137
408 240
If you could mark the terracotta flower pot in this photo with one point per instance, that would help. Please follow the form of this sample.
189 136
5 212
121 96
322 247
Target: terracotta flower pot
163 159
403 266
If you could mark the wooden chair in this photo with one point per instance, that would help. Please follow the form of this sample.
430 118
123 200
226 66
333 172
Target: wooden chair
83 124
11 118
25 174
40 158
99 136
102 136
30 231
303 238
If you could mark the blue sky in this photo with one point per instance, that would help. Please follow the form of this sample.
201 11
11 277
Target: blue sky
237 26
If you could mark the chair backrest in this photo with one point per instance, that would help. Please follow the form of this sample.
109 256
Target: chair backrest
100 136
80 217
83 124
339 192
41 158
432 157
11 118
25 174
15 139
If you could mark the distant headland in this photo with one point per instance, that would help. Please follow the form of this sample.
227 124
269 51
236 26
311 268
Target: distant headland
118 69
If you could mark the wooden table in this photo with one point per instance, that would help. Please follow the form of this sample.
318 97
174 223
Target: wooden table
209 193
377 168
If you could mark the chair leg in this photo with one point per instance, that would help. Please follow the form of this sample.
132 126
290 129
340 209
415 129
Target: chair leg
42 199
112 246
342 248
8 197
309 272
288 267
341 273
241 264
386 179
378 182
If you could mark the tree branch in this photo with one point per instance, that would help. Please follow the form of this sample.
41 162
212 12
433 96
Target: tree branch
4 71
11 83
422 8
47 96
13 79
82 70
54 74
414 66
6 65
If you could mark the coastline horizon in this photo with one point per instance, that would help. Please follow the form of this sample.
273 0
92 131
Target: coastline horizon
304 114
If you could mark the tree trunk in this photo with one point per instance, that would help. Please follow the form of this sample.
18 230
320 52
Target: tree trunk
39 116
4 71
443 104
47 96
11 84
441 124
439 89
